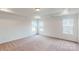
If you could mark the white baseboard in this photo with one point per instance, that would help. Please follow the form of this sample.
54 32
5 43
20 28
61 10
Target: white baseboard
59 38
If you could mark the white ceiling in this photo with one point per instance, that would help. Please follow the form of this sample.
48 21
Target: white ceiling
43 11
31 11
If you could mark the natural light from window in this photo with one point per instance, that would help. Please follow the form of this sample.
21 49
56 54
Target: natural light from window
68 25
41 25
34 26
37 26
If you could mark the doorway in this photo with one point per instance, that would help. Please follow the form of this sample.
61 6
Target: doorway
37 26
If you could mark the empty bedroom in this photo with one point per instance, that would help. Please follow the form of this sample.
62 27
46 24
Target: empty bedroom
39 29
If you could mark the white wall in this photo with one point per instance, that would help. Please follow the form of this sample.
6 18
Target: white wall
13 27
78 28
53 27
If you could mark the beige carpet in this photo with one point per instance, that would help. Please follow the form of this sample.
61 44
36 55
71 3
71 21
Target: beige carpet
39 43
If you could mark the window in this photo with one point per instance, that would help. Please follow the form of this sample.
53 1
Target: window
41 25
34 26
37 26
68 25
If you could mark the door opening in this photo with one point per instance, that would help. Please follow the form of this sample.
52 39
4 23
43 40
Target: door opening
37 26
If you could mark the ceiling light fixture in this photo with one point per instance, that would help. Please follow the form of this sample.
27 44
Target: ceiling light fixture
37 9
65 12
